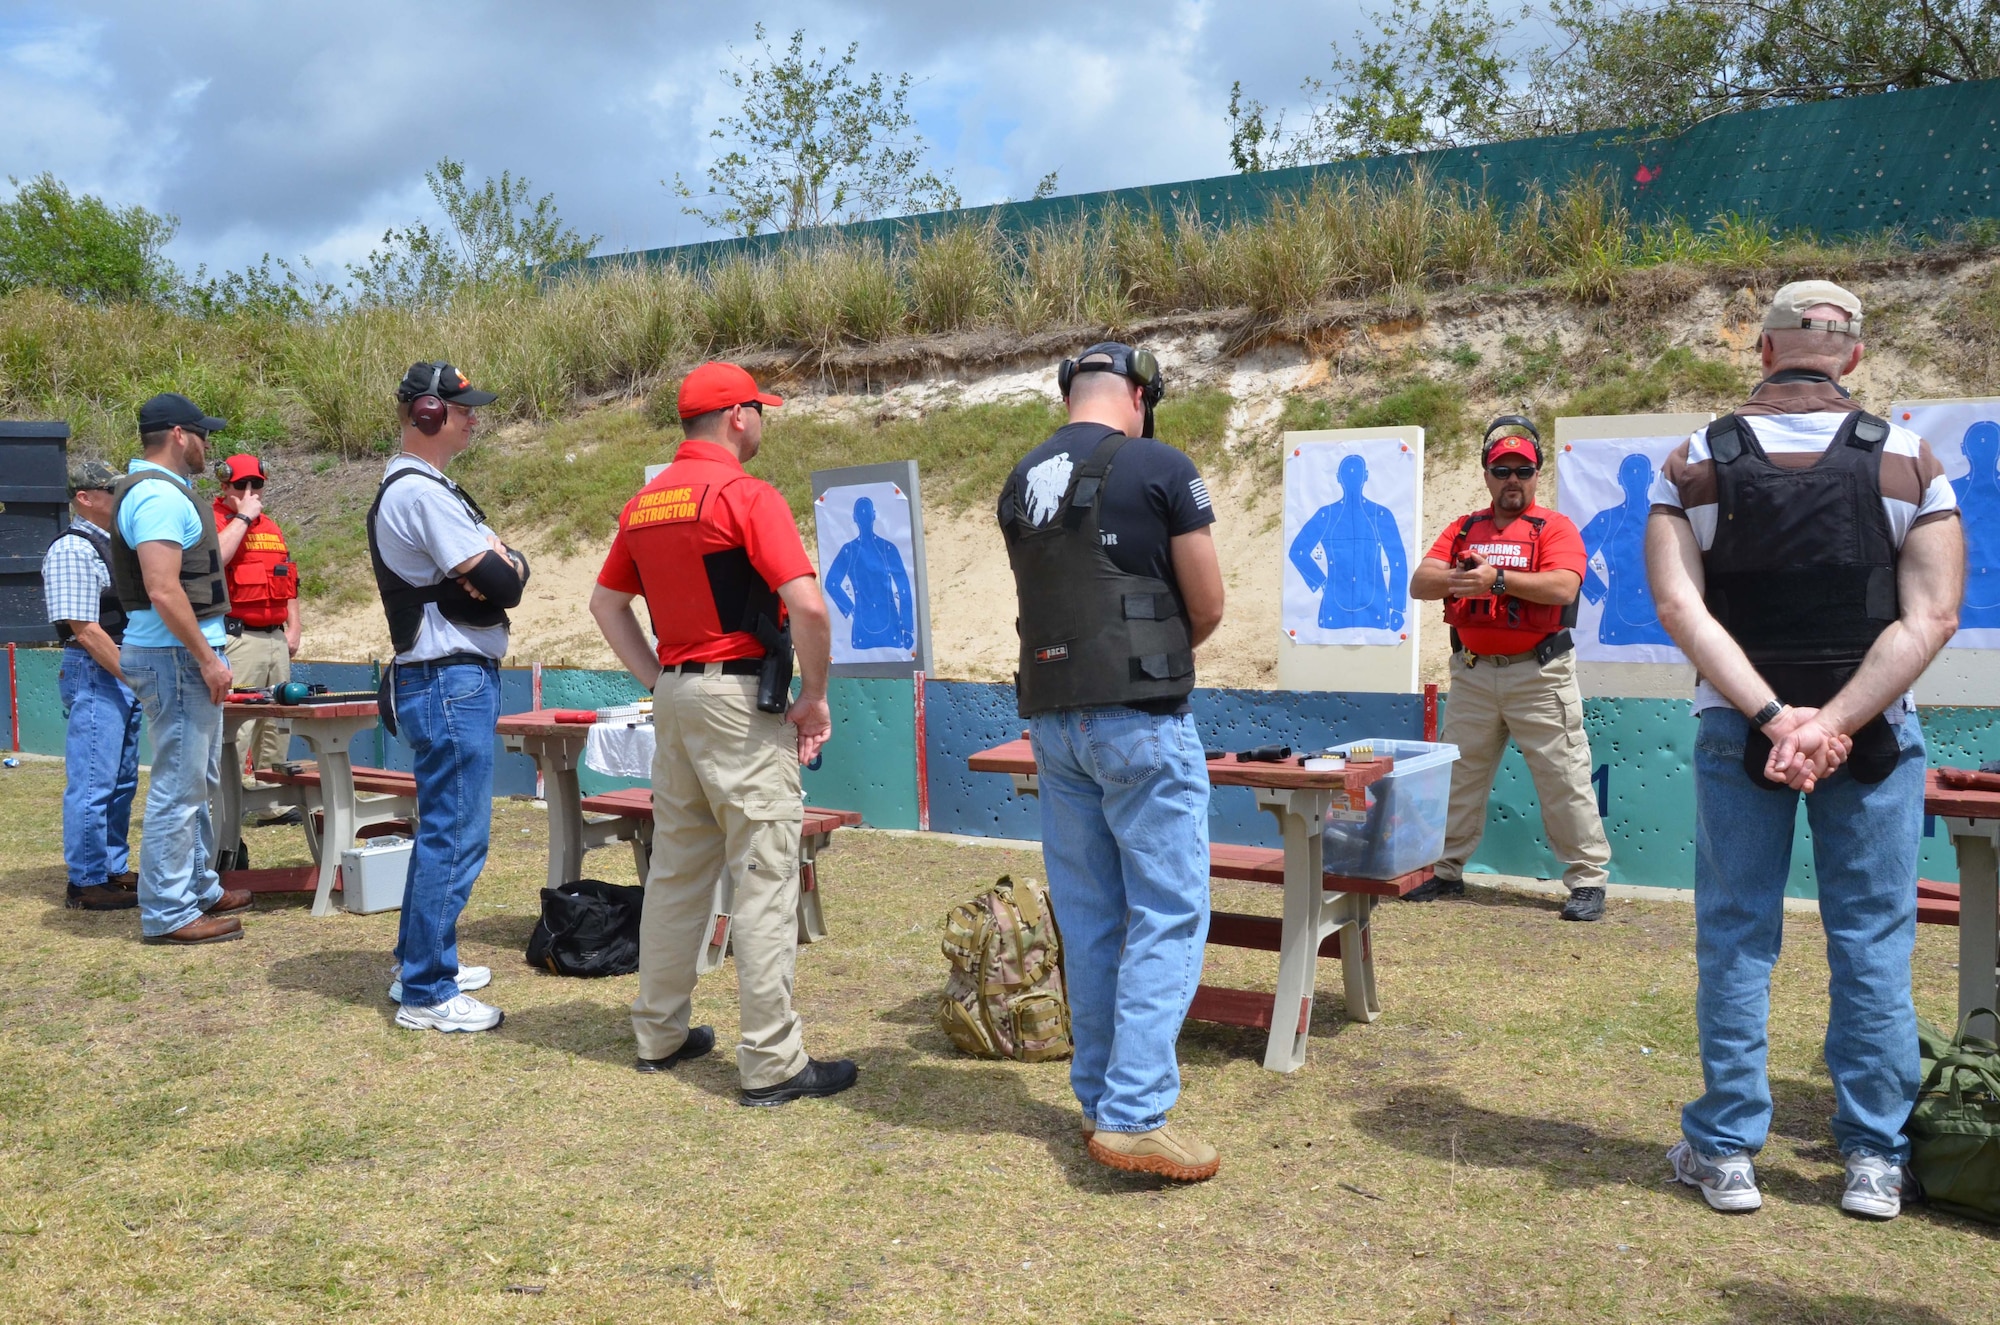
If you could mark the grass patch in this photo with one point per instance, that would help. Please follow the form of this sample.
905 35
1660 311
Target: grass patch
1616 384
1436 406
324 381
283 1152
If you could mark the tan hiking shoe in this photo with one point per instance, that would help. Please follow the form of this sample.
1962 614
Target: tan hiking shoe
1164 1151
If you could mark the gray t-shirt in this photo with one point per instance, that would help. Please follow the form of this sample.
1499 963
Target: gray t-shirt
423 529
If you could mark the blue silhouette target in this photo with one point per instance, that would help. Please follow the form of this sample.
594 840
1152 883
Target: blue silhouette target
1604 485
1965 436
865 552
1350 509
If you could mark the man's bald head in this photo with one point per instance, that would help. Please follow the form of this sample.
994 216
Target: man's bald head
1835 353
1112 399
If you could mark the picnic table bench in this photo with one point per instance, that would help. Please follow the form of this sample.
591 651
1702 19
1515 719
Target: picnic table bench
1972 818
1325 915
328 729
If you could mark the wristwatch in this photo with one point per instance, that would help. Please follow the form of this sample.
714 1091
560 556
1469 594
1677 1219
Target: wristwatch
238 515
1768 714
1499 582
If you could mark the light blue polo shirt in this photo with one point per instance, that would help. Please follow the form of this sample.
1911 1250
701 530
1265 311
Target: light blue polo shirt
152 513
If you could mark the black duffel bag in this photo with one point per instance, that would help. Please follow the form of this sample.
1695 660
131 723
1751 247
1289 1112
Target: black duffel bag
588 928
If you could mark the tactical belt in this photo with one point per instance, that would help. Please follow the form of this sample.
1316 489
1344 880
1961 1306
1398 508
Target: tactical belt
730 667
1550 649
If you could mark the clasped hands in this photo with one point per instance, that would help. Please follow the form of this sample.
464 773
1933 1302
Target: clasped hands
1804 748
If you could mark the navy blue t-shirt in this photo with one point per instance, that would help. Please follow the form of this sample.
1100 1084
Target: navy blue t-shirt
1152 495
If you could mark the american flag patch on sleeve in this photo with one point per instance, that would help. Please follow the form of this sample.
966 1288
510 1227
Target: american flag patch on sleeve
1199 488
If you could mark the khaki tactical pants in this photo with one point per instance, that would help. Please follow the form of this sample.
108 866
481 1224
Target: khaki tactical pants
257 659
1541 708
725 796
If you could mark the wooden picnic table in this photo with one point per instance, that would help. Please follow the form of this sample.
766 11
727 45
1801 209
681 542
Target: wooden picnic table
328 730
1973 820
627 816
1324 915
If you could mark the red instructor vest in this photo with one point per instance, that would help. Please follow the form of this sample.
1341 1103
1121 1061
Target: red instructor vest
263 579
1517 548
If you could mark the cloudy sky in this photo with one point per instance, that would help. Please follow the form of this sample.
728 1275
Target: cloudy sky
306 129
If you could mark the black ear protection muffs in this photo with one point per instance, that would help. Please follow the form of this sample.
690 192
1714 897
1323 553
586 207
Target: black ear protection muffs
427 409
1137 366
1516 426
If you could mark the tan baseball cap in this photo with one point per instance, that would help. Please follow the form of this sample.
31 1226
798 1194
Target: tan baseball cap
1790 304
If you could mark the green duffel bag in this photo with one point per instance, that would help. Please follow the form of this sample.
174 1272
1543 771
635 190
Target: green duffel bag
1954 1129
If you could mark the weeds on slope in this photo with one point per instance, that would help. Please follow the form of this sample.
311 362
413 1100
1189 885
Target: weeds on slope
324 381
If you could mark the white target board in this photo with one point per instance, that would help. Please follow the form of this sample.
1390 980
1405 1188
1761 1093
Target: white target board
1353 514
1605 467
1965 437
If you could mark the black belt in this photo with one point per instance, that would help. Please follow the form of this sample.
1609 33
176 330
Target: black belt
232 627
1550 649
732 667
451 660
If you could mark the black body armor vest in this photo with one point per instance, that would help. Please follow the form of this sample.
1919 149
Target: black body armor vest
1802 571
201 565
1092 635
402 601
111 616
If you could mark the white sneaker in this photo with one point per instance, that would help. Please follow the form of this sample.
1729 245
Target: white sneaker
464 1013
1875 1186
470 978
1728 1182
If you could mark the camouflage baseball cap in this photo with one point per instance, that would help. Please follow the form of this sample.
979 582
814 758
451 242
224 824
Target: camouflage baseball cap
86 475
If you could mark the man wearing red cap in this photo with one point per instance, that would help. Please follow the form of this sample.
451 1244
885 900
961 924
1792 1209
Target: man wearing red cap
263 621
717 556
1509 576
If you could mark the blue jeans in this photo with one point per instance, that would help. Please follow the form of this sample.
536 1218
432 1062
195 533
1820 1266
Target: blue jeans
177 879
446 715
1865 844
1125 838
101 768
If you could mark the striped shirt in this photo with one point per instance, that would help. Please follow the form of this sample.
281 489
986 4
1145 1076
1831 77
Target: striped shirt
73 575
1795 422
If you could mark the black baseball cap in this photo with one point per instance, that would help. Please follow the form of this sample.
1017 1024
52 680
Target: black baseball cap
170 409
442 380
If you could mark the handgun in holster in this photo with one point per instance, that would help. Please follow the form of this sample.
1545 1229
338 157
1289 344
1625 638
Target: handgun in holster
774 681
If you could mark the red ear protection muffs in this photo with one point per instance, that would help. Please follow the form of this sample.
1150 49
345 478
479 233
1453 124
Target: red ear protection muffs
427 410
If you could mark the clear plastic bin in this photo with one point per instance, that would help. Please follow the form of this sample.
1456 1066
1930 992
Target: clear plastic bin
1403 827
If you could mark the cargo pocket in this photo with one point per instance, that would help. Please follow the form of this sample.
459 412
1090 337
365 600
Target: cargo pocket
774 835
1041 1026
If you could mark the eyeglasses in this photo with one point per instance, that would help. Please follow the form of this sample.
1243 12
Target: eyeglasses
1522 472
243 483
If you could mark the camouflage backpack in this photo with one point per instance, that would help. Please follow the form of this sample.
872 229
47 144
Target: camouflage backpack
1003 996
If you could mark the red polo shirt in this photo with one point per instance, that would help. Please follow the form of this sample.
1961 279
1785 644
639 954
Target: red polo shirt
689 541
1516 547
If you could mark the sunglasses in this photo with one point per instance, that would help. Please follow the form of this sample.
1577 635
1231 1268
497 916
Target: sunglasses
757 405
1522 472
243 483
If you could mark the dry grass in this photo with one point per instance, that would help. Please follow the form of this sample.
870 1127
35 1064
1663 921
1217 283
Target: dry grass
323 382
240 1134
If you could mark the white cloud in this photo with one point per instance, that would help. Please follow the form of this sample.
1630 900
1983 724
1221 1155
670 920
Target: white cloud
307 129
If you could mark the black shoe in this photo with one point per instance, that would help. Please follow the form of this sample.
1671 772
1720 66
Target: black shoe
699 1041
288 818
1439 886
1584 904
99 897
815 1080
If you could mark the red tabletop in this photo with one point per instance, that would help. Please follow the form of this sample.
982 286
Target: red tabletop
539 722
1955 803
346 708
1229 771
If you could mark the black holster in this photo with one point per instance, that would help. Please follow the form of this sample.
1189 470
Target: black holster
774 680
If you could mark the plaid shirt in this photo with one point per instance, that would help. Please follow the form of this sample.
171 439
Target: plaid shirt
74 576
